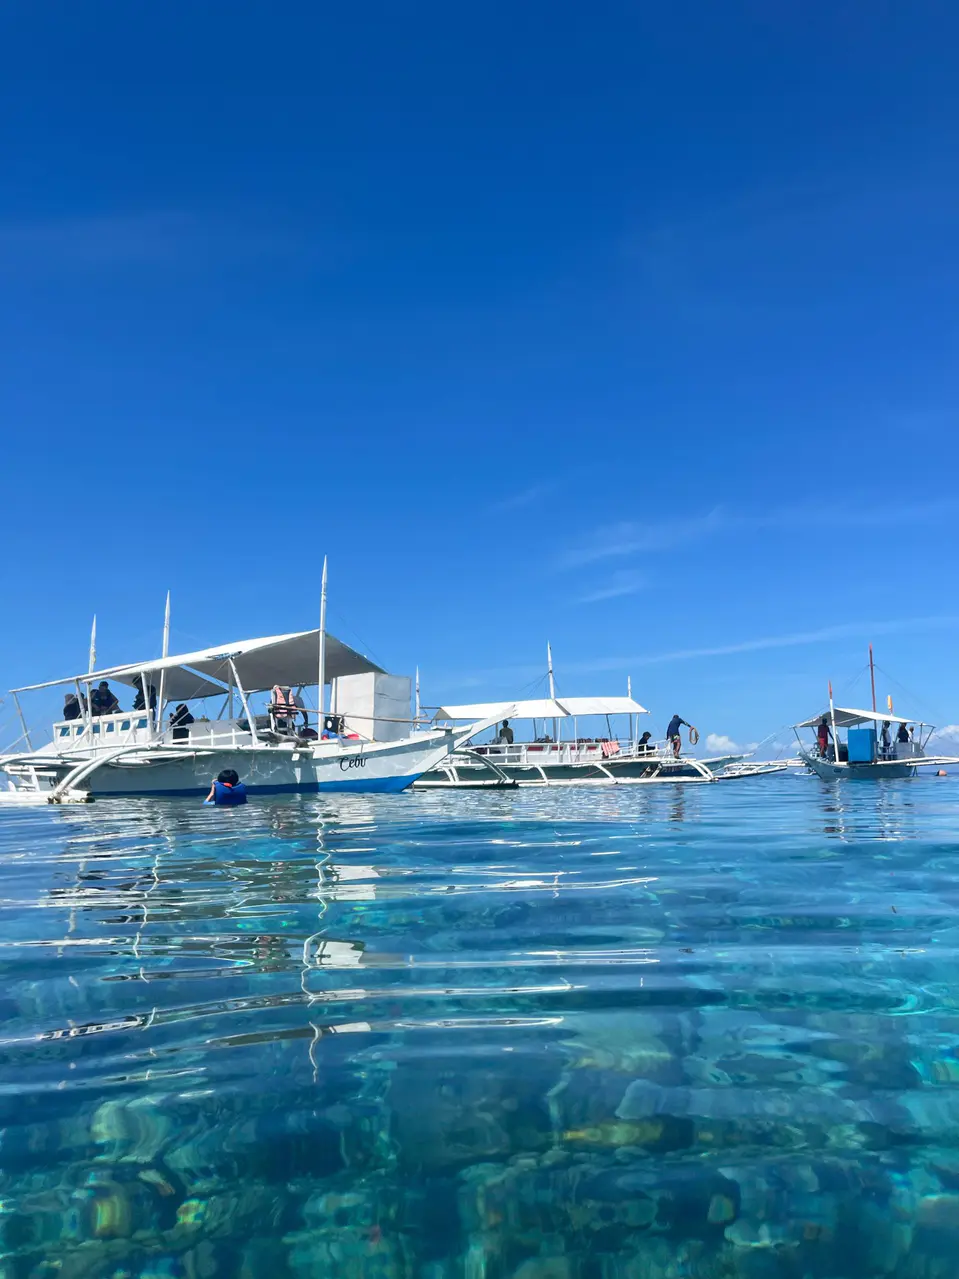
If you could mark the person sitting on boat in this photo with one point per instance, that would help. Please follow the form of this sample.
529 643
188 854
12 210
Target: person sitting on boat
102 700
903 735
673 734
885 740
180 721
822 736
227 791
139 702
644 745
71 707
505 735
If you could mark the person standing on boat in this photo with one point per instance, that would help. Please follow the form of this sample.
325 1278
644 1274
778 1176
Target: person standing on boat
885 740
505 735
903 734
71 707
673 735
822 737
139 702
180 721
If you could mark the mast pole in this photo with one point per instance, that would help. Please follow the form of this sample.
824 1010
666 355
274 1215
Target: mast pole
552 687
23 722
832 716
417 703
166 654
629 694
87 708
321 667
872 679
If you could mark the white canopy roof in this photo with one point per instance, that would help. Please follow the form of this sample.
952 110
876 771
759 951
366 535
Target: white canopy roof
846 718
603 706
541 708
260 663
545 708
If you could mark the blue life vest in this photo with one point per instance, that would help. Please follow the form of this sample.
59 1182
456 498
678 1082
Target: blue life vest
229 795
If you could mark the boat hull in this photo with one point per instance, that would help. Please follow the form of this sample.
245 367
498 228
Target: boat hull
476 774
366 769
829 770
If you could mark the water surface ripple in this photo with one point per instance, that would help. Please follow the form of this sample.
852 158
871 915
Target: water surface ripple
567 1034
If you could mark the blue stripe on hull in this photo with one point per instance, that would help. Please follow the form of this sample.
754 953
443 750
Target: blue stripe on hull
379 785
382 785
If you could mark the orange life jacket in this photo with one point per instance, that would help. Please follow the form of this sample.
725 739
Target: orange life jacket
283 699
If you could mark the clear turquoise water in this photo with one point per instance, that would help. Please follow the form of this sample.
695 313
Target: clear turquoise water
576 1034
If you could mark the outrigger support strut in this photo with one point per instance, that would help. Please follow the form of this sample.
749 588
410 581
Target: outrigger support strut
84 770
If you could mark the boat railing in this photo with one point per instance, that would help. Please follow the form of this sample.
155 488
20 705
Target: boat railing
102 732
581 751
209 734
134 728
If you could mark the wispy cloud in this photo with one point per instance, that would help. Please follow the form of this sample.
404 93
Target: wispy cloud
516 678
625 582
159 238
525 497
732 261
631 538
635 538
796 639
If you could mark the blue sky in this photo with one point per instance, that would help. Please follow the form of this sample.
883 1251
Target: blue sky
628 326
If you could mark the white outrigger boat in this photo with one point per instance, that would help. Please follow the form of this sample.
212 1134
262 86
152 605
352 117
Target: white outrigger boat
547 759
132 753
862 754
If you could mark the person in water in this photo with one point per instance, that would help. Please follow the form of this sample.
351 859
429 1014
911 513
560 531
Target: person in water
227 791
673 734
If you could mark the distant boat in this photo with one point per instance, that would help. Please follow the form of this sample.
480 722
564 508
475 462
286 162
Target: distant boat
554 751
862 753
